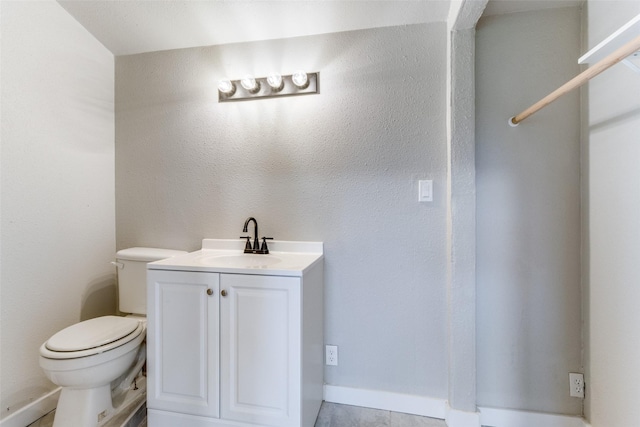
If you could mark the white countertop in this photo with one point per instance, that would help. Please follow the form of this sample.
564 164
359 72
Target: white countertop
226 256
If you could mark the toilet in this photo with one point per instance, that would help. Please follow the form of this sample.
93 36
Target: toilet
95 361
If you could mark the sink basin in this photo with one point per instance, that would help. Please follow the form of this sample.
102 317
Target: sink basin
242 261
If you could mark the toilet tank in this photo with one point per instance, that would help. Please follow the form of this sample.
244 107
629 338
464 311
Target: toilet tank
132 276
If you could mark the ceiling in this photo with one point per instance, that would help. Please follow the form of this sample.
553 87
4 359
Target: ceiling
134 26
500 7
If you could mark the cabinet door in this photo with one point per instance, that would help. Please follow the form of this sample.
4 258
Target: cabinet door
182 336
260 349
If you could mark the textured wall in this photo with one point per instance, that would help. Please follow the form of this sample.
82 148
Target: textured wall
461 298
58 213
340 167
528 212
613 143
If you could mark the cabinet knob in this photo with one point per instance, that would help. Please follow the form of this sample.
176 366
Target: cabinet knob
209 291
223 292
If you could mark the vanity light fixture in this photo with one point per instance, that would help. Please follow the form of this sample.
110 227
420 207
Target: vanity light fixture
250 84
226 87
299 83
300 79
275 81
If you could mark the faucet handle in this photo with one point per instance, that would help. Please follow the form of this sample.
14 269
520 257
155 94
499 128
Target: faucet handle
264 249
247 246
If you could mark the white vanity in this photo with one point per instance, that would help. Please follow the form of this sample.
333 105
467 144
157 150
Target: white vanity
236 339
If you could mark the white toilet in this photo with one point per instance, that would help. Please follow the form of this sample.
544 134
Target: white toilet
95 361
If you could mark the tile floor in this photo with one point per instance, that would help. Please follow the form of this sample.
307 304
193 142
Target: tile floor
331 415
336 415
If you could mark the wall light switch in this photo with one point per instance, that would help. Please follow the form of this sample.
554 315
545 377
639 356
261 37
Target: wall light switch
425 191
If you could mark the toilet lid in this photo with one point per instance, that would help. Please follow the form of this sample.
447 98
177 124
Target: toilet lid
92 333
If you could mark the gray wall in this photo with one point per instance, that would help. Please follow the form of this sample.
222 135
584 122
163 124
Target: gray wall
58 212
612 139
528 212
340 167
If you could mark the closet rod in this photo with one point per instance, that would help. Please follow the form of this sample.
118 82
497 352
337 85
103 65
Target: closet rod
605 63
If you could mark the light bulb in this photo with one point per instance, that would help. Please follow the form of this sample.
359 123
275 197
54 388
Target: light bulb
226 87
250 84
300 79
275 81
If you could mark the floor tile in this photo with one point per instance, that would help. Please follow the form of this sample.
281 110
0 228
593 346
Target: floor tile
336 415
405 420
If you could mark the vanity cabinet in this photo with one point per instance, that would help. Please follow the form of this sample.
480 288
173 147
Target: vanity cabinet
182 342
260 349
234 350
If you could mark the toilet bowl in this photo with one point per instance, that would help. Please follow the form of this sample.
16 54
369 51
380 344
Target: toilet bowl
95 361
84 359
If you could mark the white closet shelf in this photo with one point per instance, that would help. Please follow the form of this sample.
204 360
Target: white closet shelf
620 37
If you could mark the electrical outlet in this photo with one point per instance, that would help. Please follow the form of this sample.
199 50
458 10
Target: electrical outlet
576 385
331 355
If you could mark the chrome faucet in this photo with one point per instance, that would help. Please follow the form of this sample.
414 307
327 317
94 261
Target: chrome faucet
255 248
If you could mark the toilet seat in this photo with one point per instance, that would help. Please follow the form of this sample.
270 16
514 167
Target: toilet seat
92 337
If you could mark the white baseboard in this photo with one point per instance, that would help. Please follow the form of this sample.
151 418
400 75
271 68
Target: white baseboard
33 411
388 401
496 417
